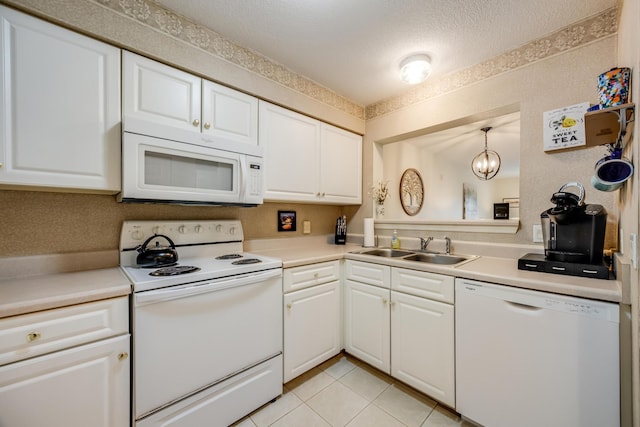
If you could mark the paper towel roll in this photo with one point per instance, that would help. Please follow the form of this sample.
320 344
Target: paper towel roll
368 233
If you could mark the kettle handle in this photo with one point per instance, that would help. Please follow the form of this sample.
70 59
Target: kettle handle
578 186
143 247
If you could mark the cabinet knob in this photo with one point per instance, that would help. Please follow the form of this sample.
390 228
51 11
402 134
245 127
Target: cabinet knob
207 125
196 122
384 300
1 165
316 275
392 304
123 355
289 306
321 194
33 336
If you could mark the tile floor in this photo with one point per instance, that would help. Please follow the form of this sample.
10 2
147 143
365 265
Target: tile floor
346 392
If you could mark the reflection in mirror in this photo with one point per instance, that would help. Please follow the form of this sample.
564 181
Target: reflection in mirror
443 158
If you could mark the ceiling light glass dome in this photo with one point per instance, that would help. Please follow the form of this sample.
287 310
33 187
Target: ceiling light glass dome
415 68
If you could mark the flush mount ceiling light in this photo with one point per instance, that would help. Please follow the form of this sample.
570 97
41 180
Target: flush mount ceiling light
415 68
486 164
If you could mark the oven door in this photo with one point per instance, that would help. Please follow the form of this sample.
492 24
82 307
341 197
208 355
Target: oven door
155 169
190 337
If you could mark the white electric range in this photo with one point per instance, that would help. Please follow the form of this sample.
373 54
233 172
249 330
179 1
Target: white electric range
207 330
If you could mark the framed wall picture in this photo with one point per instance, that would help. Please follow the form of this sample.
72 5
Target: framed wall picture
411 192
286 220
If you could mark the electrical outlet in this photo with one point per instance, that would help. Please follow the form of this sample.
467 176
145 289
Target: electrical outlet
537 233
306 227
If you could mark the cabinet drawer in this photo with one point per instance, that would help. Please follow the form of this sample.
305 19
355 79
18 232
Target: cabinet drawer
372 274
38 333
437 287
309 275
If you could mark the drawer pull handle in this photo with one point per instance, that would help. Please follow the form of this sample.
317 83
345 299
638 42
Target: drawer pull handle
33 336
316 275
123 355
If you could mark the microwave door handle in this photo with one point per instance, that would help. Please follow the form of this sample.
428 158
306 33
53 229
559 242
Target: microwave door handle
175 292
243 176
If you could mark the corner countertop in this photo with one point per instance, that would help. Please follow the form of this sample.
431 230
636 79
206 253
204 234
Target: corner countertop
51 287
42 292
496 269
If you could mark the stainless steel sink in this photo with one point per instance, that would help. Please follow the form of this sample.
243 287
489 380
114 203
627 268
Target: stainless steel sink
389 253
438 258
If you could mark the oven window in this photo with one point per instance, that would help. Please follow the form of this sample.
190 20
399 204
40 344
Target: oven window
185 172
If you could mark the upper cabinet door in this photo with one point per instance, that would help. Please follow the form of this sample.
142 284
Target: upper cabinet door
290 142
229 114
341 166
60 107
157 94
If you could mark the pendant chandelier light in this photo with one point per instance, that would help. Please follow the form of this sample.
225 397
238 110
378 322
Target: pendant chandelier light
486 164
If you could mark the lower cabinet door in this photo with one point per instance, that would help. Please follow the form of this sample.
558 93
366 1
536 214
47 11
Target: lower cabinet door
366 324
311 327
422 345
79 387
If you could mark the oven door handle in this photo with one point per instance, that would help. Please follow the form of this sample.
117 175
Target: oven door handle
182 291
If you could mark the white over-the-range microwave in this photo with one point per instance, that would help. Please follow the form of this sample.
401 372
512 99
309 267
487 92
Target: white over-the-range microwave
186 168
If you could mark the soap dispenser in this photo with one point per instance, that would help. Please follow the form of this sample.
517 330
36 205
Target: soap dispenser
395 241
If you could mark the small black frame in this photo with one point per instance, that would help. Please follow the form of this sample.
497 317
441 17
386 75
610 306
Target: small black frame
286 220
501 211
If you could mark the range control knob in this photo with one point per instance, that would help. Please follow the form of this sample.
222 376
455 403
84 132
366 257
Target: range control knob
232 230
137 235
182 229
198 229
218 228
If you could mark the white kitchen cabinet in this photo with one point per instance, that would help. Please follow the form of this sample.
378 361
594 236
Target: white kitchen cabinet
422 332
307 160
60 108
422 345
312 326
81 373
401 322
166 102
366 324
366 313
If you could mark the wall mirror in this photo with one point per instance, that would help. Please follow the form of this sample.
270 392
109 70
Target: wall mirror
442 157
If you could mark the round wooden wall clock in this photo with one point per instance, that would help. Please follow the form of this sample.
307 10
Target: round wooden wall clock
411 191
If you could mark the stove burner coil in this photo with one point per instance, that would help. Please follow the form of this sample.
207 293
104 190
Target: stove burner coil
229 256
174 270
246 261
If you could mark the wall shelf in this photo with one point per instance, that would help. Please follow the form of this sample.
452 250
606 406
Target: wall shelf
607 126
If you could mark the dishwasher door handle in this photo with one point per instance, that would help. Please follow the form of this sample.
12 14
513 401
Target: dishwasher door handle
523 307
183 291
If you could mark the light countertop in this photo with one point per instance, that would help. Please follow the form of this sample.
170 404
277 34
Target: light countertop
52 289
47 291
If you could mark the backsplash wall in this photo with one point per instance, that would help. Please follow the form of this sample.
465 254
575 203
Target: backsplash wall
35 223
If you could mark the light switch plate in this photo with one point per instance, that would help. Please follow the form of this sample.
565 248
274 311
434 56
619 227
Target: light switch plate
537 233
306 227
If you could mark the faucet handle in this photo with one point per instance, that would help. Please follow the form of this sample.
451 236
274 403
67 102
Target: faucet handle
425 242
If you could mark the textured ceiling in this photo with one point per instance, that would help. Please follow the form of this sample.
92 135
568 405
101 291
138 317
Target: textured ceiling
353 47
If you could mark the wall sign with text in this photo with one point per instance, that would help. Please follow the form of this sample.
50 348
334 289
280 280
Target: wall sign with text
564 127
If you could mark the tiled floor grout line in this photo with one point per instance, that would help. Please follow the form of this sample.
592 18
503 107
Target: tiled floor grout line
323 377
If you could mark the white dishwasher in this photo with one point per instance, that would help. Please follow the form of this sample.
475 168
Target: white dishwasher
527 358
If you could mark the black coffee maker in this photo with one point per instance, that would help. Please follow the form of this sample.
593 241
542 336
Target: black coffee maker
572 231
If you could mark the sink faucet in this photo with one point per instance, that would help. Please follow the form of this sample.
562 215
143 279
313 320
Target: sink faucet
425 242
447 245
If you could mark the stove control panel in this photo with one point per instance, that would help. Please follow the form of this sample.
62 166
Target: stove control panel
135 233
